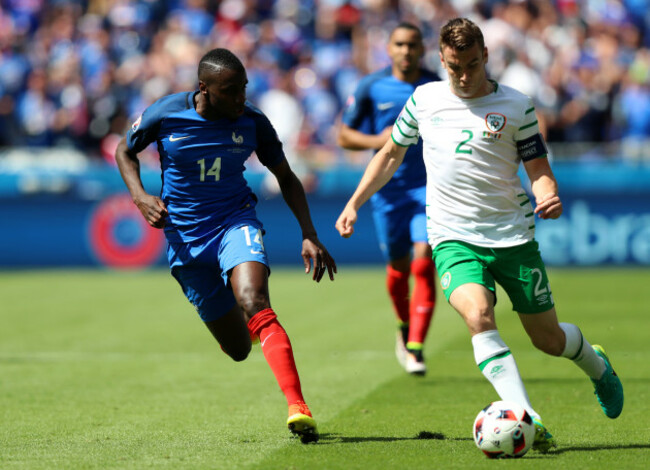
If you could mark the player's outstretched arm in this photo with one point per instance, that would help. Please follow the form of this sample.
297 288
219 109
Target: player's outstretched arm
152 208
378 172
544 187
352 139
313 251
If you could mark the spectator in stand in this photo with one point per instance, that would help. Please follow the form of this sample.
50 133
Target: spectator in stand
127 53
634 105
35 111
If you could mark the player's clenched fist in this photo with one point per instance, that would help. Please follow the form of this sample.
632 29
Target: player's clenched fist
153 210
346 221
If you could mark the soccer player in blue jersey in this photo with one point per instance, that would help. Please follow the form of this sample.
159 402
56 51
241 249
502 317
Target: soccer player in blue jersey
399 207
207 210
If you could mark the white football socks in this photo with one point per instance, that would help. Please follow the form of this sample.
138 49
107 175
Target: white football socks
578 349
498 365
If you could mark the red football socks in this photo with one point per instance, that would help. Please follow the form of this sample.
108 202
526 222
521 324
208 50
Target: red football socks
397 283
423 299
278 353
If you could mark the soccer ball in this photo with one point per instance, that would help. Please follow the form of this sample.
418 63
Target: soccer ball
504 429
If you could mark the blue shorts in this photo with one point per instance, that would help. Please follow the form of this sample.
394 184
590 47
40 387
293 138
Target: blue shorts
202 269
401 223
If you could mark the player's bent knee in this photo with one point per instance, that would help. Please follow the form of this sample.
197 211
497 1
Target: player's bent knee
238 354
239 357
479 319
252 302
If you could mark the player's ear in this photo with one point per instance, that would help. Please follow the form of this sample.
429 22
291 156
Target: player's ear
203 88
485 55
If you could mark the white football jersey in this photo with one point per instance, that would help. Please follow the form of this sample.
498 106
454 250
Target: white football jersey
472 151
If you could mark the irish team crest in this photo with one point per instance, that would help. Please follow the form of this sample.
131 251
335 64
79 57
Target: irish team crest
495 122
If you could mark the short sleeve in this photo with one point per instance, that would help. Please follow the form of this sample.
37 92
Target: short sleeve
269 148
144 130
529 141
406 130
358 106
529 125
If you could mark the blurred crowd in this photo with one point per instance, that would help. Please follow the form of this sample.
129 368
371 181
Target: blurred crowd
76 73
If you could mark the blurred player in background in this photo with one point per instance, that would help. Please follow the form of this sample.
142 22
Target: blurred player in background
399 207
215 246
481 222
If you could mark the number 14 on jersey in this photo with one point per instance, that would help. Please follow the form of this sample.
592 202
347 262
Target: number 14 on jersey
213 171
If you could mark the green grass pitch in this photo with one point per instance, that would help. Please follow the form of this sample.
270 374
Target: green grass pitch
114 370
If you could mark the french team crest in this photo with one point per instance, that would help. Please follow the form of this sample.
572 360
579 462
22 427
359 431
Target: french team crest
495 122
238 139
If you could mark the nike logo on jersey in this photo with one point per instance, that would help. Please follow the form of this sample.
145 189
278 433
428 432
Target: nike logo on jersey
238 139
174 139
385 106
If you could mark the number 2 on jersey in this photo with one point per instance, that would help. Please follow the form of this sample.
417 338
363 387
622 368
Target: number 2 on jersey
214 170
466 150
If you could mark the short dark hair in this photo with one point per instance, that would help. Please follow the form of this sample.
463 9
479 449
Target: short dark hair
409 26
461 34
216 59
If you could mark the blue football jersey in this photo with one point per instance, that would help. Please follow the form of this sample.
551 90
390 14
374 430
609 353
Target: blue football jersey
375 105
202 162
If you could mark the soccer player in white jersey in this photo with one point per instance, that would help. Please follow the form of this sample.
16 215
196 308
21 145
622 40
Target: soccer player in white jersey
481 222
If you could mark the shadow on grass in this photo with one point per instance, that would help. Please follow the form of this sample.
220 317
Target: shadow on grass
597 447
479 379
333 438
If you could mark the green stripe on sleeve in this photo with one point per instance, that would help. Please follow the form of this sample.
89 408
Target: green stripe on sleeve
534 123
412 127
397 143
405 135
406 108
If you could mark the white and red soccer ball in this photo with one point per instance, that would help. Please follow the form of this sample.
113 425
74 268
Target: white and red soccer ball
504 429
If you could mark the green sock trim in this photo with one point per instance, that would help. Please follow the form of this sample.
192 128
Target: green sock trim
582 342
402 324
415 346
484 364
